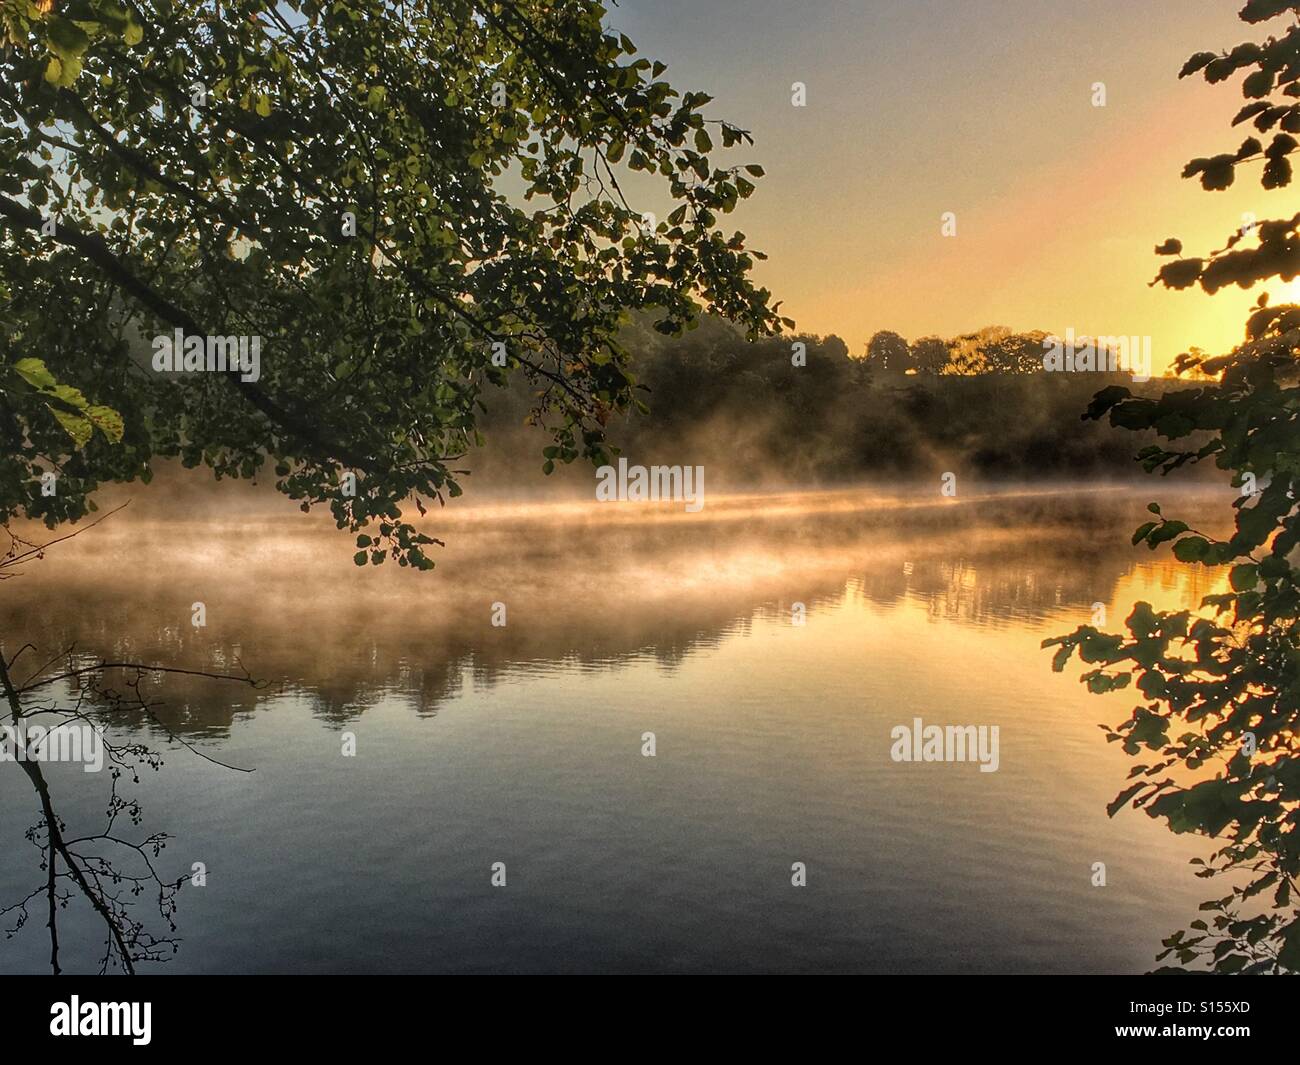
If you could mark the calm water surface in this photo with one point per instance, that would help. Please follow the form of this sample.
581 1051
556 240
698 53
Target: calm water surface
522 744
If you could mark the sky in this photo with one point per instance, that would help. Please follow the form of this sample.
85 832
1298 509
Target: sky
983 108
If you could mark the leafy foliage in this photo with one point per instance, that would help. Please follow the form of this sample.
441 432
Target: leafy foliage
930 354
1219 728
386 194
745 401
995 349
69 407
888 351
1271 84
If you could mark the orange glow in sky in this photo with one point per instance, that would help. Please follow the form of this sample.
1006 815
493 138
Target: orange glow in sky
985 109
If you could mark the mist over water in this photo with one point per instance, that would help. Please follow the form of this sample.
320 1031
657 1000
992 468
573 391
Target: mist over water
522 744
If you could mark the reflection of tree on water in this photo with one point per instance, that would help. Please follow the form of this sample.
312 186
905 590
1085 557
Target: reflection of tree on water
348 639
114 870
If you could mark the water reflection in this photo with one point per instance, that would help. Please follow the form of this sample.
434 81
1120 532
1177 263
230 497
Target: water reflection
587 586
521 742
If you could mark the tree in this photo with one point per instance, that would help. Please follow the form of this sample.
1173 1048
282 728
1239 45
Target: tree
1017 353
106 869
888 351
1218 727
402 203
930 355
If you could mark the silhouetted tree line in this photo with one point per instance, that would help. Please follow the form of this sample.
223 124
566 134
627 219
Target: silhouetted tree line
993 349
769 412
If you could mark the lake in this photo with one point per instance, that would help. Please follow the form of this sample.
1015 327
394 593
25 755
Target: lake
523 743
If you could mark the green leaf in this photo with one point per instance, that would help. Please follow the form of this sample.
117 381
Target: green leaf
1142 531
65 38
1099 683
33 371
1168 531
107 421
1191 549
73 397
1289 955
62 72
1244 577
76 426
1113 807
